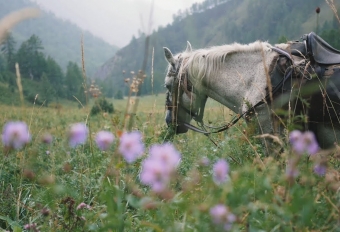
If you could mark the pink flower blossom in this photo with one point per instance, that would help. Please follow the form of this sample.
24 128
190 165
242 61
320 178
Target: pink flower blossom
320 169
131 146
104 139
220 171
218 213
77 134
222 216
294 136
303 142
158 168
167 154
15 135
154 175
83 206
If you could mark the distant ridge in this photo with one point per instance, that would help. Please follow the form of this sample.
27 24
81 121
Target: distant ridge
61 39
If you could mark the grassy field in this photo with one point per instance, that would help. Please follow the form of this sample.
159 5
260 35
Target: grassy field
53 187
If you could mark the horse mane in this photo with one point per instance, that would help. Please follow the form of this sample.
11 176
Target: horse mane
205 62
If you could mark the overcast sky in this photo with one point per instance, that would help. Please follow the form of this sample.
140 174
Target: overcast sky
116 21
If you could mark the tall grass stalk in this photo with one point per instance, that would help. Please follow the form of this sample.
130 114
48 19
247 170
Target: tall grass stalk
333 8
18 81
152 60
137 81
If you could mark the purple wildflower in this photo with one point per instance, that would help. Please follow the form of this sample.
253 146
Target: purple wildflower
294 136
104 139
220 171
312 146
167 154
221 215
304 142
158 168
218 213
15 135
77 134
320 169
153 174
131 146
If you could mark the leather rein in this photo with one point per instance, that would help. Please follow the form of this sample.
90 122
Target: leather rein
181 85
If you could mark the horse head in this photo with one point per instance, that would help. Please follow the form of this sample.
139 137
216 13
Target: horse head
182 103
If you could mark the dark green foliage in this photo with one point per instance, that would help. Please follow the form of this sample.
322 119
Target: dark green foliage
39 75
282 39
106 87
119 95
9 96
101 105
31 59
33 91
56 78
333 37
73 81
47 91
8 50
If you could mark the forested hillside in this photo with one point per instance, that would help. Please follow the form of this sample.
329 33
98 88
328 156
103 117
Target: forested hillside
48 51
42 78
61 38
216 22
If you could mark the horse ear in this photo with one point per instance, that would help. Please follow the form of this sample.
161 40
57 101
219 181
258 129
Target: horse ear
189 48
168 56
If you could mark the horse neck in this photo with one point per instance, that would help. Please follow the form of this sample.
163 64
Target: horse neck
239 82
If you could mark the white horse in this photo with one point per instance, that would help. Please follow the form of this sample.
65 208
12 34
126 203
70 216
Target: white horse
249 80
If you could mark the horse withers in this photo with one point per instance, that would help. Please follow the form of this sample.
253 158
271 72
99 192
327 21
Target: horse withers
256 79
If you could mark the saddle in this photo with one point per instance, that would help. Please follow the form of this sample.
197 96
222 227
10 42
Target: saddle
320 50
316 49
324 62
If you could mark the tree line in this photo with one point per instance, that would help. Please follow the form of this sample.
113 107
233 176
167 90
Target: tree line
40 74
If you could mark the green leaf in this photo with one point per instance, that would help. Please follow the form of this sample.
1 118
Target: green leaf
14 225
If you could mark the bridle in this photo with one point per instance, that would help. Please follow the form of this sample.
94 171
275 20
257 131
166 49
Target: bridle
181 85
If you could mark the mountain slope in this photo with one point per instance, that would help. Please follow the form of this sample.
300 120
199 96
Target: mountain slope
242 21
61 39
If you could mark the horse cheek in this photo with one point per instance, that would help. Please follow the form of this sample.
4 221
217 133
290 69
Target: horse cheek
189 102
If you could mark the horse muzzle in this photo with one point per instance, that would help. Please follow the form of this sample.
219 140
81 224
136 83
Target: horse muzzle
180 128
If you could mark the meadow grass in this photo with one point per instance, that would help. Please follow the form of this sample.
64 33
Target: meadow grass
54 187
43 184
